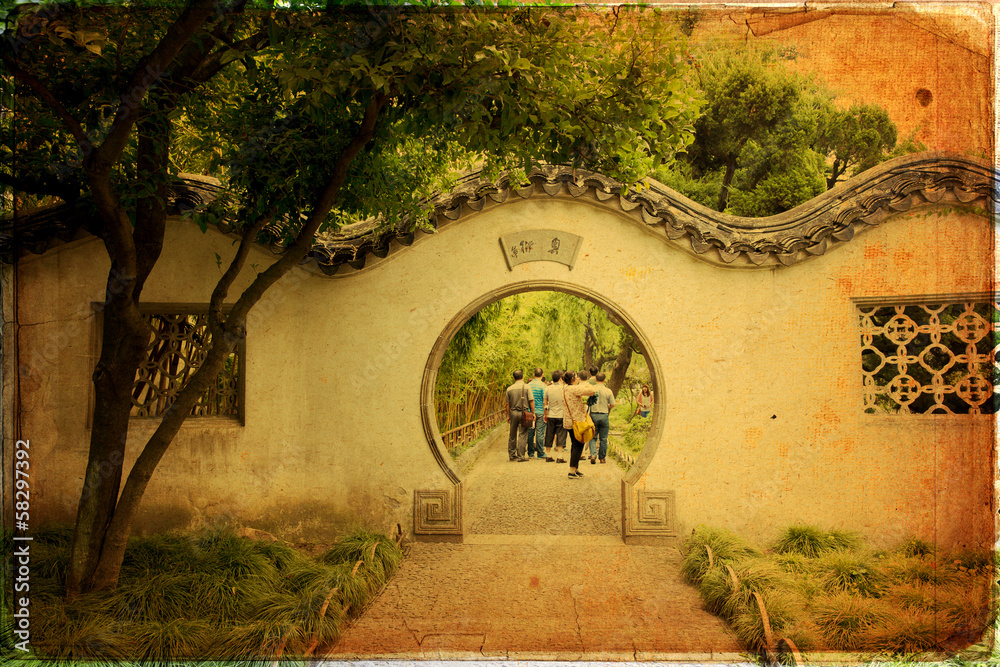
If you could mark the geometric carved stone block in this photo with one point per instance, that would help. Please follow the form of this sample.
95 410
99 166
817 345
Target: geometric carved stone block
653 514
438 512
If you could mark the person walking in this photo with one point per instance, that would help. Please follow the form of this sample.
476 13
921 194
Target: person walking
601 414
519 401
574 392
553 417
536 434
645 401
590 375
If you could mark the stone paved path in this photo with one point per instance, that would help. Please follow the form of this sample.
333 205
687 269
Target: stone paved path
539 602
537 498
542 575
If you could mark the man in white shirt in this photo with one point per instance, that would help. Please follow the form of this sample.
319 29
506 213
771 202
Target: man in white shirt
553 416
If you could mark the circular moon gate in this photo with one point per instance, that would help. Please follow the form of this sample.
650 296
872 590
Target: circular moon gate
428 408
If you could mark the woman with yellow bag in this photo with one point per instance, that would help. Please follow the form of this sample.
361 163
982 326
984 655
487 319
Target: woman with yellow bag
576 420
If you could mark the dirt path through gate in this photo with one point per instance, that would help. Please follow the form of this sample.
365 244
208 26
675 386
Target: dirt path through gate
542 575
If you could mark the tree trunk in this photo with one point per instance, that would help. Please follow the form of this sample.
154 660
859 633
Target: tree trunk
726 181
119 516
122 349
622 362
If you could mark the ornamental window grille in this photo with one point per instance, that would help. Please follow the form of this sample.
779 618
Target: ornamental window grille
178 344
931 357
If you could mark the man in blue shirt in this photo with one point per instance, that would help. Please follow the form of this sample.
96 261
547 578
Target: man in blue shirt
536 435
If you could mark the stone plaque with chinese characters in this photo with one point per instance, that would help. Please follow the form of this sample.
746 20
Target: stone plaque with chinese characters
540 245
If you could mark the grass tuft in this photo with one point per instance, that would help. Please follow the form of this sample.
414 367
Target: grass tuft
846 620
915 548
906 632
812 542
209 596
726 547
379 556
853 573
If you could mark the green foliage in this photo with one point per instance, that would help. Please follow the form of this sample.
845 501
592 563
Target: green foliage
844 599
378 555
771 138
551 330
916 548
812 542
725 547
215 595
635 434
845 620
853 573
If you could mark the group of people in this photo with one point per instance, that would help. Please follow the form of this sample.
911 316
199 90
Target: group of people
541 415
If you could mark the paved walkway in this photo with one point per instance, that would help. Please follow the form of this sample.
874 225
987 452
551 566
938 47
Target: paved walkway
537 498
542 575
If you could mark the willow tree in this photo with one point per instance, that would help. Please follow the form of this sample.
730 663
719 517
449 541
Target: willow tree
309 118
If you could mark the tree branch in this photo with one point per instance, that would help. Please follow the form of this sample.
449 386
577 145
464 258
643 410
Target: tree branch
146 72
297 251
45 95
235 266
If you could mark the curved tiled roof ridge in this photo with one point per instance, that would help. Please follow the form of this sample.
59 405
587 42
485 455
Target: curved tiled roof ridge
805 231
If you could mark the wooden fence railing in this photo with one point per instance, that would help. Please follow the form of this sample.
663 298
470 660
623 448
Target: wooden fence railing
466 433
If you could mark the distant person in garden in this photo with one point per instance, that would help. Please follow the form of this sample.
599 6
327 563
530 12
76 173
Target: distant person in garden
553 417
645 402
591 373
575 410
536 435
519 401
604 401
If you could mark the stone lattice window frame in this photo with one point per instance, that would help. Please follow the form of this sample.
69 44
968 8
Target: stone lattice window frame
179 337
930 354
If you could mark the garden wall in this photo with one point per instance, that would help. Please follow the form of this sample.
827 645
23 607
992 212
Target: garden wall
759 421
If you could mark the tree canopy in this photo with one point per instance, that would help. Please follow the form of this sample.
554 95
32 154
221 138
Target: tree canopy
771 138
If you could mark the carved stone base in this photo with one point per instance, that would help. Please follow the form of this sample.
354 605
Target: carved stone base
437 514
648 517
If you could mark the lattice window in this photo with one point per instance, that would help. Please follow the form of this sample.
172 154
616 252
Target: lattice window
178 343
931 358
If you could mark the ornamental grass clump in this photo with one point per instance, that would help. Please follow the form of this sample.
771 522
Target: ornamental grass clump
211 596
845 620
821 590
812 542
855 573
710 547
379 556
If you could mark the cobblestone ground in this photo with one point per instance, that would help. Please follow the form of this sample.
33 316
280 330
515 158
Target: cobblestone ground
543 575
537 498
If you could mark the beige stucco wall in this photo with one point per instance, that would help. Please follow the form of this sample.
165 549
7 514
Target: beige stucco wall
761 405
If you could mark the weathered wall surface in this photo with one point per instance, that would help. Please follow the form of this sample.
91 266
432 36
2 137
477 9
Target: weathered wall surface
760 370
928 64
